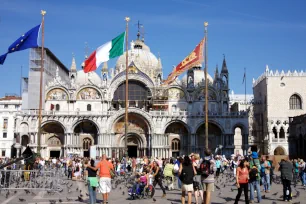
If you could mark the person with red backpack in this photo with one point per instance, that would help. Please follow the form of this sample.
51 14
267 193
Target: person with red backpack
207 169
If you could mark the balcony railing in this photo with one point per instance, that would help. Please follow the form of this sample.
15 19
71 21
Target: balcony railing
279 140
35 112
153 113
186 113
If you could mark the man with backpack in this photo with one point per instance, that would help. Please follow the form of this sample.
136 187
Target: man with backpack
207 169
254 179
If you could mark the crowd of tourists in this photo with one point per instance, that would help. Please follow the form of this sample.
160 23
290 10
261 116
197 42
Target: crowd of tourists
193 175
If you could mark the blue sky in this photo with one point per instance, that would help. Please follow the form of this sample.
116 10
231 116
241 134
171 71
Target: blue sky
251 34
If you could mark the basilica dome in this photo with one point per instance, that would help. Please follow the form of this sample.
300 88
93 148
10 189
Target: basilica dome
142 57
199 77
83 78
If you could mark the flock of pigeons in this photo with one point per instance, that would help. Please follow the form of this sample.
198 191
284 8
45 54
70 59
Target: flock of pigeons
121 182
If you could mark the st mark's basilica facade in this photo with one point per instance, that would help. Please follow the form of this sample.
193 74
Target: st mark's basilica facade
85 109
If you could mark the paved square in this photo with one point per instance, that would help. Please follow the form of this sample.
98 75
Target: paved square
226 194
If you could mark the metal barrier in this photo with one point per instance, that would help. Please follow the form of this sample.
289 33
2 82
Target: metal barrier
49 181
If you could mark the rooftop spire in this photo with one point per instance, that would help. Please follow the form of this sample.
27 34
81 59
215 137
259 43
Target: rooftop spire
138 32
159 65
216 72
224 67
73 64
105 67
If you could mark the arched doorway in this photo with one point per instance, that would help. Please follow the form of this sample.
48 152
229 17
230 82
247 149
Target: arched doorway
53 135
177 131
54 143
279 151
214 137
138 135
87 133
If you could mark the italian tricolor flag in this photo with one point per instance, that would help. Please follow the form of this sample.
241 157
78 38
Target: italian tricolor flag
109 50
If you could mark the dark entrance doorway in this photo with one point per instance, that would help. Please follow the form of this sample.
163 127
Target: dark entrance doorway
132 151
55 154
86 153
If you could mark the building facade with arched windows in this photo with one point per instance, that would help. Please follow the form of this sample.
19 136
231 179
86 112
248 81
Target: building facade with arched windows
87 109
277 96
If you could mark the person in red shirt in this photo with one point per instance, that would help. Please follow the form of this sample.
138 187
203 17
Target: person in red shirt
242 179
105 185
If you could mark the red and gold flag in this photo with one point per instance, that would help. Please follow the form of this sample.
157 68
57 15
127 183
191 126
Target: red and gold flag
193 59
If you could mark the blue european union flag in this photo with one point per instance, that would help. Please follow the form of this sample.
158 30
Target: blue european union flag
27 40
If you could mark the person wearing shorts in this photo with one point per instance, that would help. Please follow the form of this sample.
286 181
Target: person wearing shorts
105 186
209 181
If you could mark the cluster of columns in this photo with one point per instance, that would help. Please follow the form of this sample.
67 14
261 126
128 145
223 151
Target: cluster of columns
161 152
160 140
277 136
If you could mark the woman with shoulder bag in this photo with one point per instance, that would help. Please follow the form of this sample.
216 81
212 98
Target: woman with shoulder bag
92 181
186 174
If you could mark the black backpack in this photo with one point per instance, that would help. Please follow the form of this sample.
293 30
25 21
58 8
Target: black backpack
253 174
205 168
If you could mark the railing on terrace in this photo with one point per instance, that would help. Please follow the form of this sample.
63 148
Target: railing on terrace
186 113
153 113
35 112
279 140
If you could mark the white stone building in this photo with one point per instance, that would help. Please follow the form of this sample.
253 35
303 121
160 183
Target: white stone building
277 96
240 102
10 105
81 110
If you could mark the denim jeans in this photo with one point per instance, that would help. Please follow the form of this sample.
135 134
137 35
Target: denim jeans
303 178
254 185
92 194
266 182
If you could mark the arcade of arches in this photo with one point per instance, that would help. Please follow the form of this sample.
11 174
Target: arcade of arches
57 143
177 139
183 142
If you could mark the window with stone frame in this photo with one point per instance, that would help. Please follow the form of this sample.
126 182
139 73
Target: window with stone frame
175 145
88 107
86 144
295 102
5 122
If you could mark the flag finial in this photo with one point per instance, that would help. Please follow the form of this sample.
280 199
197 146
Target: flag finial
43 12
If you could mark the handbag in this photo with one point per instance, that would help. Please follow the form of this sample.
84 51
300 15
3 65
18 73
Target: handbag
111 172
176 168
